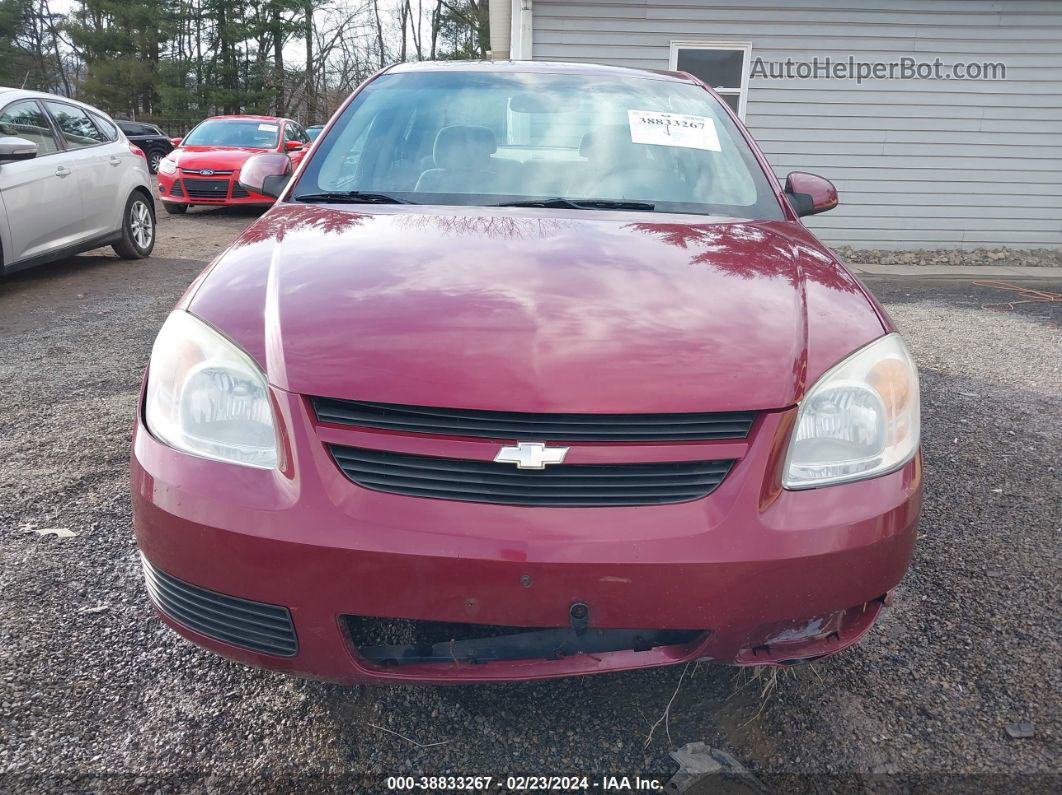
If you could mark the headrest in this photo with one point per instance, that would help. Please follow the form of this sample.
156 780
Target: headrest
463 146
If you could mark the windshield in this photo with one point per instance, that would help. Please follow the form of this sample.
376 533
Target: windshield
475 138
234 133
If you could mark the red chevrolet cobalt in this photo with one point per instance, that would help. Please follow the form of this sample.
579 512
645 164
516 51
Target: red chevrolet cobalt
532 371
204 169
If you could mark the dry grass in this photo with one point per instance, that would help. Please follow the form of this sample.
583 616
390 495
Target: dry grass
764 681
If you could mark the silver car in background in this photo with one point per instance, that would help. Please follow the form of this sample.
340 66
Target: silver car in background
70 181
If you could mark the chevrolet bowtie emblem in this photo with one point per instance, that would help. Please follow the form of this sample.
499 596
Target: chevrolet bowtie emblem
531 455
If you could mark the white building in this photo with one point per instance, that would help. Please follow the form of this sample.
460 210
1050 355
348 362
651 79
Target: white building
941 161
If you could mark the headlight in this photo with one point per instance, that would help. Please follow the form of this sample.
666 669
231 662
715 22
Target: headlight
167 166
861 419
207 397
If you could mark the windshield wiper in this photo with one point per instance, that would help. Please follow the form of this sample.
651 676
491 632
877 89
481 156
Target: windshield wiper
582 204
351 197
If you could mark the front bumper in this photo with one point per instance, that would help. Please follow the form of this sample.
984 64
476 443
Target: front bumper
766 576
176 189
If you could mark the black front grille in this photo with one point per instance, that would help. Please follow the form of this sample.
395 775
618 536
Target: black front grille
177 189
206 188
239 192
559 485
250 625
504 425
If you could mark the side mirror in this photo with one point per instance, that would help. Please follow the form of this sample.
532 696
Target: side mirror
176 142
292 146
265 174
810 194
12 148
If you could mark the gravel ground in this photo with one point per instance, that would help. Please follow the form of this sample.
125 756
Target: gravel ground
1031 258
95 694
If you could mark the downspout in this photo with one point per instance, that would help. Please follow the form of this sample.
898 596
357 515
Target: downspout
520 46
501 20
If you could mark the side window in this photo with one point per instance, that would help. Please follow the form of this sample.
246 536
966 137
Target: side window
105 127
132 128
26 120
76 127
293 132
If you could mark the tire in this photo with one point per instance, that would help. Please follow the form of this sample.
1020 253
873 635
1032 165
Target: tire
138 228
175 209
154 157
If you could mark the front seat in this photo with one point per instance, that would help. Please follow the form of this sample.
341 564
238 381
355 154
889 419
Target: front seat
462 162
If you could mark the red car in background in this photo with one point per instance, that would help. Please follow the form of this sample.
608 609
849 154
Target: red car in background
205 166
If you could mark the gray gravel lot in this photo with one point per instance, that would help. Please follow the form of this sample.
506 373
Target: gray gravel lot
1030 258
96 694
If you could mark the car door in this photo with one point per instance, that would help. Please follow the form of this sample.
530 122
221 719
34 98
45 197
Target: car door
98 166
42 205
120 156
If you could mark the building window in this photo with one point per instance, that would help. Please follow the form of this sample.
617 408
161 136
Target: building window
724 65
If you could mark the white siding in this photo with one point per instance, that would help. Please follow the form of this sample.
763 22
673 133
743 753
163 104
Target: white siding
922 163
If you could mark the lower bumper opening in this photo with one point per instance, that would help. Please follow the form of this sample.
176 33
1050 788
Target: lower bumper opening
395 642
255 626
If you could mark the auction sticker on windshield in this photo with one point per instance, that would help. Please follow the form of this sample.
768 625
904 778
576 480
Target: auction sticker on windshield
673 129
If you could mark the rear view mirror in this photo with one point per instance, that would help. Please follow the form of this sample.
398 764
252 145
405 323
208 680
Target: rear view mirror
293 146
528 103
176 141
810 194
12 148
265 174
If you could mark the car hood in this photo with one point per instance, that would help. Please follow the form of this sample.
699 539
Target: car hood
535 310
220 159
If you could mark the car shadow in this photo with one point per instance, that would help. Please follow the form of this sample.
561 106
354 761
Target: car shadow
77 263
207 211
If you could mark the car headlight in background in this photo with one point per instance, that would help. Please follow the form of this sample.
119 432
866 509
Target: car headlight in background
167 166
207 397
860 419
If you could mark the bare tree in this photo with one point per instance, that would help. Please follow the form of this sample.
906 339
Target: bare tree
278 56
379 33
436 16
311 89
49 20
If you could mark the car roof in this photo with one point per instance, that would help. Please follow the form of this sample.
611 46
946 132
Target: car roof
11 94
246 116
540 67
